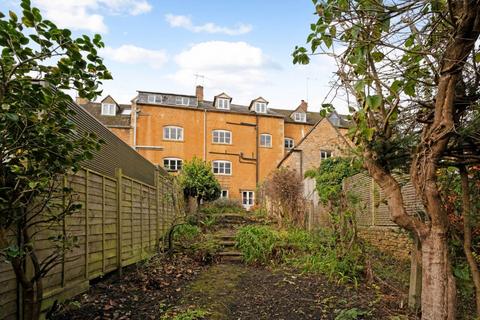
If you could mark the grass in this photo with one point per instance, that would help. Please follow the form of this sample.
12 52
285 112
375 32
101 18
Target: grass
190 314
310 252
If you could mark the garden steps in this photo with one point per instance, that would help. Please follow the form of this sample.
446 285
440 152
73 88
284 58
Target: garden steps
227 226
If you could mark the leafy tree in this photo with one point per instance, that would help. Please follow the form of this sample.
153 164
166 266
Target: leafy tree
411 69
38 142
198 181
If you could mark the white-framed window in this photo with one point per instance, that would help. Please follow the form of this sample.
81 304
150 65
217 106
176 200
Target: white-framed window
172 164
260 107
222 136
325 154
158 98
223 103
300 116
109 109
183 101
222 167
265 140
289 143
248 199
173 133
151 98
224 194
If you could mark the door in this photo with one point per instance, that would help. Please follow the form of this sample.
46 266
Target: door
247 199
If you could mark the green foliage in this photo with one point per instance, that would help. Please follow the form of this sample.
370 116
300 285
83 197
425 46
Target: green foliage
221 206
315 252
201 246
205 249
190 314
39 143
257 243
186 233
351 314
330 175
197 180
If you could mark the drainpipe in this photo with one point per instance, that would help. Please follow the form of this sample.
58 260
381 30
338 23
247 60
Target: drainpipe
257 167
205 135
134 125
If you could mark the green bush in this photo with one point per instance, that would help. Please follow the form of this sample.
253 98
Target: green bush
221 206
257 243
206 248
309 251
186 234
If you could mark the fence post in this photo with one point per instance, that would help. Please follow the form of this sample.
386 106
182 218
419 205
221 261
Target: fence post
141 221
64 229
103 224
87 176
119 174
415 287
373 201
157 211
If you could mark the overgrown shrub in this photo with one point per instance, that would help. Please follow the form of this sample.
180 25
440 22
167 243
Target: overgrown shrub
221 206
284 192
186 234
257 243
310 252
203 247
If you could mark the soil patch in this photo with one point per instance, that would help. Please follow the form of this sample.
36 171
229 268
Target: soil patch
243 292
145 291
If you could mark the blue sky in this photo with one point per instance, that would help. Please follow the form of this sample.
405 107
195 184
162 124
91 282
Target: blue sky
242 48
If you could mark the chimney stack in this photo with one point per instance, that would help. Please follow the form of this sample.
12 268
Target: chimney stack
199 93
303 105
81 101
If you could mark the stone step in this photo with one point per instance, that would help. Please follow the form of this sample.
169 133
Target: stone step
225 237
228 243
231 259
230 254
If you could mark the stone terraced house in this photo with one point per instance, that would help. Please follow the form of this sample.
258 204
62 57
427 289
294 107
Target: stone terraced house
243 143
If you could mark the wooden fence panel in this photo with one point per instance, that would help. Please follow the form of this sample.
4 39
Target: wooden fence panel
145 213
8 292
374 210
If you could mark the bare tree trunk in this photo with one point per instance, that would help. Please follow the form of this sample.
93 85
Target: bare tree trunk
438 283
467 235
33 300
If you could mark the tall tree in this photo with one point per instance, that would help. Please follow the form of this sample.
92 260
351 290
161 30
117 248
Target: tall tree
38 142
404 63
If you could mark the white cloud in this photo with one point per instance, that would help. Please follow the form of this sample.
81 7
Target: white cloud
89 14
131 54
235 67
179 21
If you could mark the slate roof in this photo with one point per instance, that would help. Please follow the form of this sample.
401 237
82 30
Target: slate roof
119 120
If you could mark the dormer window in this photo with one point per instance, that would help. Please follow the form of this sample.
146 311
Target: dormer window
182 101
334 119
300 117
260 107
223 104
109 109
